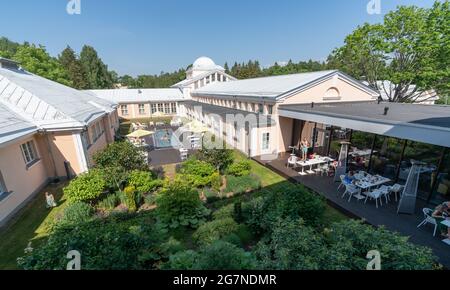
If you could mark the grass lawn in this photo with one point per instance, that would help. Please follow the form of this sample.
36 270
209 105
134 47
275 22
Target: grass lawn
30 224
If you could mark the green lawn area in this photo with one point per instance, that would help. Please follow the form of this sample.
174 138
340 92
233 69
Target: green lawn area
30 224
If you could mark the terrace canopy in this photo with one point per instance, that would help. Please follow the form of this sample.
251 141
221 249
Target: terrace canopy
422 123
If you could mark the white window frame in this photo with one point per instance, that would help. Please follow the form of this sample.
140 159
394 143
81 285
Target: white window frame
141 109
29 152
124 110
154 108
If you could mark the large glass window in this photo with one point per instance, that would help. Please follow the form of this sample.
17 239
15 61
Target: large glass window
160 108
260 108
426 153
360 150
270 109
167 109
386 156
154 109
29 152
441 191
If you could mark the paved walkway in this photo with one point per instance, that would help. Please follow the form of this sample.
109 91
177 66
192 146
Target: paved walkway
385 215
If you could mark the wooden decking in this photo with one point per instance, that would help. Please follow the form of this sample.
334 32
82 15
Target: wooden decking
383 216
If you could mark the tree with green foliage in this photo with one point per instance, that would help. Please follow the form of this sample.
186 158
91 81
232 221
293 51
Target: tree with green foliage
219 158
121 154
144 181
36 59
73 67
178 204
410 50
97 74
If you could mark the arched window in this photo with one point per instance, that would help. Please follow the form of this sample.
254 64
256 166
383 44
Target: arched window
332 94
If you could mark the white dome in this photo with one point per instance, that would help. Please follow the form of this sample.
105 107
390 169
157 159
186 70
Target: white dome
204 63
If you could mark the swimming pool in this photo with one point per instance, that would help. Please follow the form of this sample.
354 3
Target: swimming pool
166 139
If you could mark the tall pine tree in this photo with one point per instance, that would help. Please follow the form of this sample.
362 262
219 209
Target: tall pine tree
73 67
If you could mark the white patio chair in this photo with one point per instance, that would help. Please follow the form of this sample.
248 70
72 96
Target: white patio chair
429 219
397 189
292 161
375 194
351 190
386 191
342 182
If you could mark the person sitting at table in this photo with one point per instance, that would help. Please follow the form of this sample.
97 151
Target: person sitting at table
349 177
305 147
440 214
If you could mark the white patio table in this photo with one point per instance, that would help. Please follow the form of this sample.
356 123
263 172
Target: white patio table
366 184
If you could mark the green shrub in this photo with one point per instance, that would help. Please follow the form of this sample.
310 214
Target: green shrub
240 168
150 199
241 184
119 242
143 181
198 168
86 187
219 158
224 212
122 155
178 204
109 203
291 202
214 230
130 198
76 213
216 181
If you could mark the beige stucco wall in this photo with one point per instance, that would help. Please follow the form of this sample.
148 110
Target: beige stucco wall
133 110
63 148
19 179
348 92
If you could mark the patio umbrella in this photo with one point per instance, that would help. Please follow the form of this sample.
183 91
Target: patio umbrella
197 127
140 134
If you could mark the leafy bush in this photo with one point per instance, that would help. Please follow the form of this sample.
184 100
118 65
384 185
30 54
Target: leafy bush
150 199
143 181
214 230
109 203
122 155
130 198
216 181
219 158
178 204
242 184
76 213
224 212
344 246
218 256
196 167
120 242
86 187
292 202
240 168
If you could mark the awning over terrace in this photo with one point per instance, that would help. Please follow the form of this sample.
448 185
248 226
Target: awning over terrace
422 123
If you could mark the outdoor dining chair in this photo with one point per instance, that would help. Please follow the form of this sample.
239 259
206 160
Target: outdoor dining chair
342 182
397 189
351 190
292 161
429 219
375 194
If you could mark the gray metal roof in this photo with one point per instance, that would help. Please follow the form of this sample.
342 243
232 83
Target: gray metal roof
270 87
139 95
46 104
422 123
12 126
430 115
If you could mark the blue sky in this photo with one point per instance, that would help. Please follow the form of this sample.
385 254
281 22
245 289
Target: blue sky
149 36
